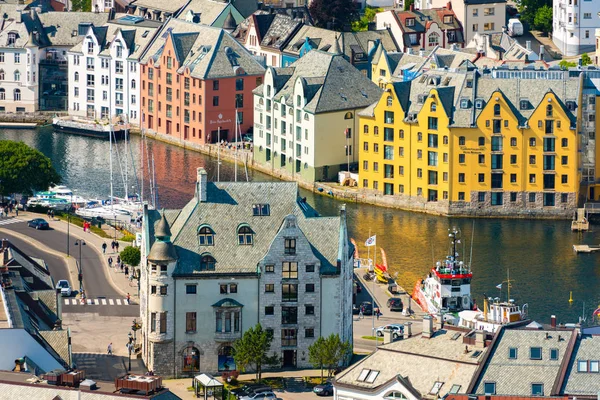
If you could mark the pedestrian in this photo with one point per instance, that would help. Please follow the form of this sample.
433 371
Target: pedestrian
128 298
109 349
52 213
378 313
118 259
17 211
117 246
110 261
121 265
361 315
48 214
126 270
104 246
112 245
10 207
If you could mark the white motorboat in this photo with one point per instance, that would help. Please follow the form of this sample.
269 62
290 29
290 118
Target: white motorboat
107 213
50 202
63 192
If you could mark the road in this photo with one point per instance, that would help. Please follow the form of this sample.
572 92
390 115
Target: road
95 281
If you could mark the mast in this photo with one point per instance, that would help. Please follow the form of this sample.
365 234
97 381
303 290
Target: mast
219 154
154 180
126 168
110 134
142 160
236 145
508 284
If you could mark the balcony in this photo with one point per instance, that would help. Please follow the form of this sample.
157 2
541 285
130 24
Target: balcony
227 336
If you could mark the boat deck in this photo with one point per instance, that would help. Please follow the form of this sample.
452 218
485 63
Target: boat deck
586 248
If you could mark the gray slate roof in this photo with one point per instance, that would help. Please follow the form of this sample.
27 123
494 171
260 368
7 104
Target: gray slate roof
213 54
577 383
25 29
59 29
171 6
331 82
230 204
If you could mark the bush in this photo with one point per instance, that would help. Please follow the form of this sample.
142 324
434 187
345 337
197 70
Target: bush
128 238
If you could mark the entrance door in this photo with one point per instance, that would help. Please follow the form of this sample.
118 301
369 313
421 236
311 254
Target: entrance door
289 358
592 194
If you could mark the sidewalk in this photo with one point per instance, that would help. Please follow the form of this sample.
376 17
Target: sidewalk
118 279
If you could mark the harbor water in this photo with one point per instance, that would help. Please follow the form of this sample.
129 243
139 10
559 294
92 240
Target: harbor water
538 253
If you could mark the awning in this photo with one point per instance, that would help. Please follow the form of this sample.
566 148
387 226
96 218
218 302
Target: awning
208 381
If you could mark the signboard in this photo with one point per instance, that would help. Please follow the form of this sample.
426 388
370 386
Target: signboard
219 120
138 239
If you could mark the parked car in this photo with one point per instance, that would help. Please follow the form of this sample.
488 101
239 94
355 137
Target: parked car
325 389
247 390
38 223
515 27
65 288
397 329
395 304
261 395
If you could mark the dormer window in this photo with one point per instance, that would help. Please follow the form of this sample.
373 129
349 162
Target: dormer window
410 22
207 263
549 110
464 103
448 19
496 110
12 38
433 107
245 235
290 246
524 104
206 236
535 353
479 104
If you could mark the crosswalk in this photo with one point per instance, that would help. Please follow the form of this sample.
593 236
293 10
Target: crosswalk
97 302
7 221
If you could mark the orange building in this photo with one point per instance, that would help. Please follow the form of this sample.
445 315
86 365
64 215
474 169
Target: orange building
194 80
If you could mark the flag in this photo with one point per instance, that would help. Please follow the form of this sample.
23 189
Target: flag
597 312
347 133
499 286
372 241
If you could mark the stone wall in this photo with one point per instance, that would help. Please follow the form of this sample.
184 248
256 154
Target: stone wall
162 358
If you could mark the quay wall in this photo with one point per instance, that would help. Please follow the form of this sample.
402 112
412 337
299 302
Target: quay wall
398 201
38 117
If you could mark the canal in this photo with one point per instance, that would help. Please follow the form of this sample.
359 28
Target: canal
537 253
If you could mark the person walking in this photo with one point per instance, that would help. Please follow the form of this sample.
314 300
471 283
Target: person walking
128 298
112 245
126 270
110 261
109 349
117 245
361 315
121 265
104 246
118 259
17 211
377 313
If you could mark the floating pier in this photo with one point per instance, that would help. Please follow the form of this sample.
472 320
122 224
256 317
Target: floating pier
586 248
581 222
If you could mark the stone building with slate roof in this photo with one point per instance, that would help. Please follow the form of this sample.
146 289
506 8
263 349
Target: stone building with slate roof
305 116
104 72
238 254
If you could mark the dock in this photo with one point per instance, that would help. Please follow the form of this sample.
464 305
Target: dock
18 125
581 223
586 248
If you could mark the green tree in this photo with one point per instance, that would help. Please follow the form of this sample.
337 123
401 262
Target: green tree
407 4
328 353
340 13
542 20
363 23
24 170
81 5
585 59
564 64
252 350
528 9
131 256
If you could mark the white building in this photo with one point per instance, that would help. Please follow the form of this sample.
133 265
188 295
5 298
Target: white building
104 74
574 25
483 16
238 254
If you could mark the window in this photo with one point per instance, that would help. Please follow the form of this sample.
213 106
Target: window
245 235
216 85
461 177
488 26
309 333
481 159
489 388
535 353
261 210
461 158
513 178
461 140
310 288
17 95
206 236
532 197
163 322
481 178
290 270
513 141
269 269
239 84
594 365
269 310
537 389
532 142
432 123
233 287
190 322
216 101
512 353
290 246
513 159
153 322
163 290
207 263
532 160
582 366
309 309
269 288
564 160
289 337
554 354
223 288
190 289
564 142
289 292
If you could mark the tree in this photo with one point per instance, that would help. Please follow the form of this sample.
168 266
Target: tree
407 4
81 5
328 353
585 59
24 170
131 256
543 19
252 350
564 64
528 9
339 13
363 23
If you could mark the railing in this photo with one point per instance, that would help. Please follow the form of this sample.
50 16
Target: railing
592 207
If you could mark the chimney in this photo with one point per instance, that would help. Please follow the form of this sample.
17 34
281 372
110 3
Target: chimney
427 327
412 7
32 13
409 50
19 17
553 321
201 183
449 5
453 47
542 50
480 339
58 305
528 45
422 52
387 336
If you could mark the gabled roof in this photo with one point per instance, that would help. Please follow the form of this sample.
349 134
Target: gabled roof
60 30
28 32
171 6
423 19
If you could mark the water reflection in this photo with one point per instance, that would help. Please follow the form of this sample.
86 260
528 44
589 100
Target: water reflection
538 254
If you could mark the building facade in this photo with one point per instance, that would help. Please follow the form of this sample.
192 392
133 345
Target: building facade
104 73
305 116
207 279
476 144
196 82
574 24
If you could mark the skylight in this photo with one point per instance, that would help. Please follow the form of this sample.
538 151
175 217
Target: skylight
363 375
436 388
372 376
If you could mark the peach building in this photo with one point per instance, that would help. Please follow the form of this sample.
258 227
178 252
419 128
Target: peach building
195 79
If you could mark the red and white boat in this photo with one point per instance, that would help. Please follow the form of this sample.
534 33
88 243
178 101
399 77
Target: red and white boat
447 288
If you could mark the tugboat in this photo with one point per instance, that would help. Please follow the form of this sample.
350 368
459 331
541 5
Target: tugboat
447 288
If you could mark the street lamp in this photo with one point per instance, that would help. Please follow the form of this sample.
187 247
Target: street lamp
80 243
129 346
69 224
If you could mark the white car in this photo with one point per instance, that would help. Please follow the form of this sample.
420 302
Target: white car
262 395
397 330
65 288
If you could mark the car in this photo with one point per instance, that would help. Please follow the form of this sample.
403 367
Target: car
260 395
250 389
65 288
325 389
395 304
247 138
38 223
397 330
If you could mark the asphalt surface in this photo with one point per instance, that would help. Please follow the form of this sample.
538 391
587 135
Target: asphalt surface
95 282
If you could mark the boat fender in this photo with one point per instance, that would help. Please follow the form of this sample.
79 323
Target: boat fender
466 302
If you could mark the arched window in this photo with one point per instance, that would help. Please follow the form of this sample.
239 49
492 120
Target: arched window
366 129
245 235
17 94
133 83
76 76
207 263
548 110
17 76
496 110
206 236
433 107
394 395
376 130
389 101
348 115
2 94
191 359
1 74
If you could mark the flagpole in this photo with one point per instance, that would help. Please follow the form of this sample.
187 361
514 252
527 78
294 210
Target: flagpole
369 253
373 291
